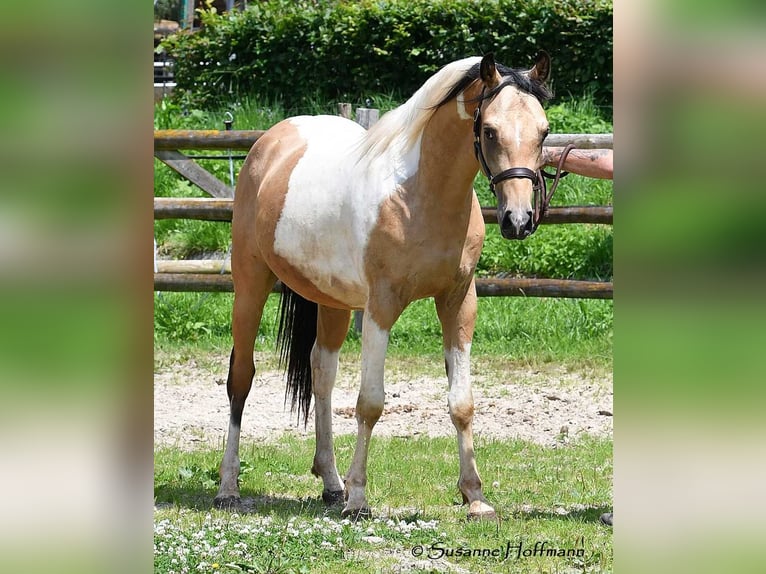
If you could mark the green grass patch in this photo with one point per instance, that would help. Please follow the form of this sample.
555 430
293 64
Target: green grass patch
528 330
541 494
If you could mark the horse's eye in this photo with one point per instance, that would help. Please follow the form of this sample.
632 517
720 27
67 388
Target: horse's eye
489 134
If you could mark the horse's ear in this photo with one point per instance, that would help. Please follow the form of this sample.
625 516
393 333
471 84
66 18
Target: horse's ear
488 71
541 71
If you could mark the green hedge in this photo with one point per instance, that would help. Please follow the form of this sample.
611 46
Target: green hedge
300 51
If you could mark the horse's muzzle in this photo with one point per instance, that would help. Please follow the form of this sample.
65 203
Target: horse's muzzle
514 226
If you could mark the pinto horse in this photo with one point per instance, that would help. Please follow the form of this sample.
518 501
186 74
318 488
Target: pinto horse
353 219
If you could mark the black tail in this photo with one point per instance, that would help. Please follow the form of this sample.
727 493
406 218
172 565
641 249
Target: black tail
295 339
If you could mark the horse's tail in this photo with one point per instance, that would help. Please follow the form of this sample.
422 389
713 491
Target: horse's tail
295 339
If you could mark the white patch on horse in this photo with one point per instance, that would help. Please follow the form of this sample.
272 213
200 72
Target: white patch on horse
324 368
230 464
332 204
374 346
461 107
518 135
459 369
369 403
406 165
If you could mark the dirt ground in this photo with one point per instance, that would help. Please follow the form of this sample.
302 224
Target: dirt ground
545 405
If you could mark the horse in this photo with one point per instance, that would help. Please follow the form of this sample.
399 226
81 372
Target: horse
348 219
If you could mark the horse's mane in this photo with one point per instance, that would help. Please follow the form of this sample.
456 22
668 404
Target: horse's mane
404 125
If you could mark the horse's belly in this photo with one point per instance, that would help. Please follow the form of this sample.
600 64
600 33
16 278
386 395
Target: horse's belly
331 293
312 279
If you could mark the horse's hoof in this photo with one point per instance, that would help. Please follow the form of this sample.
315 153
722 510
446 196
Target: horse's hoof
227 502
481 511
356 513
489 516
606 518
332 497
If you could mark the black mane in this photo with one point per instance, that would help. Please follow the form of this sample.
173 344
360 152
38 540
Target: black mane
512 77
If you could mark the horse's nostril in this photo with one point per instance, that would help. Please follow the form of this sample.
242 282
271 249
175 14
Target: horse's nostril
517 227
509 226
529 225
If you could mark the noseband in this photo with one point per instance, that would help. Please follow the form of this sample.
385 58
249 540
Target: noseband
542 196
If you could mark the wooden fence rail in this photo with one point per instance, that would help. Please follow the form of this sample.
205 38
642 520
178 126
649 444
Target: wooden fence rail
485 287
220 209
244 139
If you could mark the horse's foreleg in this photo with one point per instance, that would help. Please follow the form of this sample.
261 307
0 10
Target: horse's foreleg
369 407
457 314
332 326
252 286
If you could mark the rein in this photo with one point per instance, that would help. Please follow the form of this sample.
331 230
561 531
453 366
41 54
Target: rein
542 197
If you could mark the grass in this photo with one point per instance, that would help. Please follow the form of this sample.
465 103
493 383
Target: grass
541 495
529 330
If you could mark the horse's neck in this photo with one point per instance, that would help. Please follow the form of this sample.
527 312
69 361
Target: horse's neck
447 165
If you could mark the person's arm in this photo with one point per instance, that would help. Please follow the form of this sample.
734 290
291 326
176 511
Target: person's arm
588 162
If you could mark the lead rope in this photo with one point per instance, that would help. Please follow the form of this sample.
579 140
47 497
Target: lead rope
542 196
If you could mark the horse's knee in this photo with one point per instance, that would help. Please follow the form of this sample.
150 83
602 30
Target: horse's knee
461 412
369 408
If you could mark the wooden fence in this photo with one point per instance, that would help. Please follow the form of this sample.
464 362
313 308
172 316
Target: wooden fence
214 275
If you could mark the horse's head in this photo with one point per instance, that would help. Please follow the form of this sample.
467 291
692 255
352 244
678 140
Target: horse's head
509 127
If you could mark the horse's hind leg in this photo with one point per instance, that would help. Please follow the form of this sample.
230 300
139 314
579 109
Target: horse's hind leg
332 326
252 284
457 313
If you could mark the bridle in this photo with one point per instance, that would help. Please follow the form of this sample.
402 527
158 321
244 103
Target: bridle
542 196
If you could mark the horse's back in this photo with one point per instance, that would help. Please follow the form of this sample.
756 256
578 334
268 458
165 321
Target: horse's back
275 154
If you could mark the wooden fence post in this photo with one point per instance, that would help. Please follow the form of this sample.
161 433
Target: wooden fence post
344 111
366 117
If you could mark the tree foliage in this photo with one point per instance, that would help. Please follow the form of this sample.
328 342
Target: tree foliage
294 51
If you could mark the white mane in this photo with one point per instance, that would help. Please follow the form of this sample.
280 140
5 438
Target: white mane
402 127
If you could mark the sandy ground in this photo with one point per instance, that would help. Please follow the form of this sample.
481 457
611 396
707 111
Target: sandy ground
544 406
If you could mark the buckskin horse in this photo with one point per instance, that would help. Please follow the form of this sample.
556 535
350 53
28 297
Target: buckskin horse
352 219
